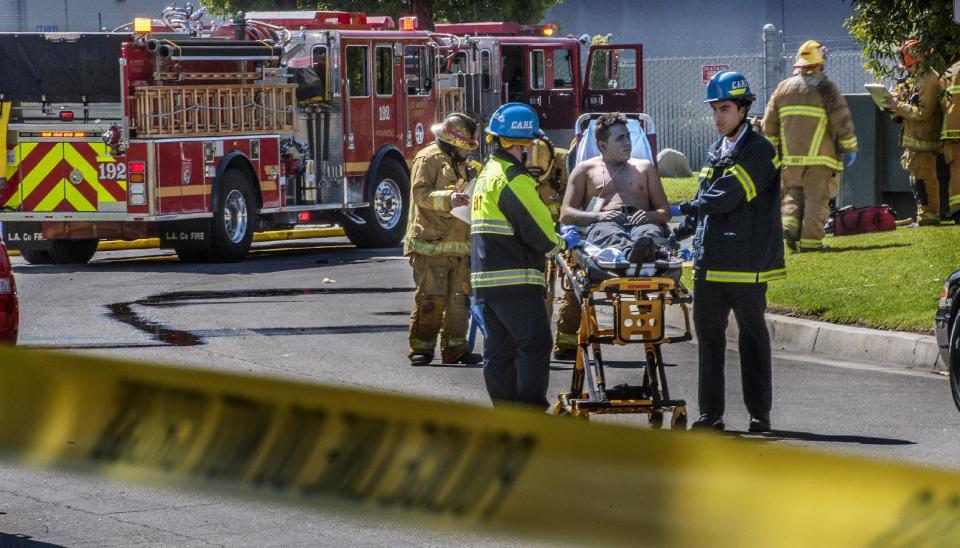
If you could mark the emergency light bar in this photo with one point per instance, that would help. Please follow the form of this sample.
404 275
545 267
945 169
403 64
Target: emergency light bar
142 24
408 23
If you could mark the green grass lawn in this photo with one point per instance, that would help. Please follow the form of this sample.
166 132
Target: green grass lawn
886 280
680 189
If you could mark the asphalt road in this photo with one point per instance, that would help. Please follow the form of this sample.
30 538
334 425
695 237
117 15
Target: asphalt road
325 312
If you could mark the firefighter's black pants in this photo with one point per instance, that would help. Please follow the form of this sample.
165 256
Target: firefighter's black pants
713 302
516 350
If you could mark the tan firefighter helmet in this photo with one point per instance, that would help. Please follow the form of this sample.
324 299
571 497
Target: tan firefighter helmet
457 129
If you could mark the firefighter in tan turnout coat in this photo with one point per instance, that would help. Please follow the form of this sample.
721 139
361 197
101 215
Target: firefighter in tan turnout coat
950 135
916 104
438 244
551 173
809 122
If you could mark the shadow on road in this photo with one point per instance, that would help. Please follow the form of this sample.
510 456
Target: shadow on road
21 541
829 438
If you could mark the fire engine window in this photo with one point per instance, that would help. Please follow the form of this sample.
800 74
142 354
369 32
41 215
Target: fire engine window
457 63
562 69
536 69
613 69
417 70
485 69
356 70
383 68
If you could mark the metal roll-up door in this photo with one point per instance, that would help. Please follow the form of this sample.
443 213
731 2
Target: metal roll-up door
10 15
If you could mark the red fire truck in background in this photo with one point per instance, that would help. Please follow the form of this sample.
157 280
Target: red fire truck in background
201 135
496 63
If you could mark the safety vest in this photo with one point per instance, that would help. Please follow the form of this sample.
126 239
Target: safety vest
511 230
808 119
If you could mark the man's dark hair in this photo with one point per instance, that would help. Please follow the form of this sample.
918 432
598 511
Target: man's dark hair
602 130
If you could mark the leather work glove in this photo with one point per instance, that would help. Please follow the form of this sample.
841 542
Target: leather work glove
849 158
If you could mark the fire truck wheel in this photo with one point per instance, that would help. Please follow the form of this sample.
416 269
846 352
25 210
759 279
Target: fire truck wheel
36 256
234 219
386 218
73 251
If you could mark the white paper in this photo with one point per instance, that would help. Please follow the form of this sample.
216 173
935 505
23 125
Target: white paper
879 94
463 212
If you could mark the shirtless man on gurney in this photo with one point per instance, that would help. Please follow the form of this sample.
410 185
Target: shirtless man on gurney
618 198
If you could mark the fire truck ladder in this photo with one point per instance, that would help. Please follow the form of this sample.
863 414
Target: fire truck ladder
199 111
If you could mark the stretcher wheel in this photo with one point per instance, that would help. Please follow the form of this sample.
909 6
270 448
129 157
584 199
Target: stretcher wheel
558 409
656 419
678 420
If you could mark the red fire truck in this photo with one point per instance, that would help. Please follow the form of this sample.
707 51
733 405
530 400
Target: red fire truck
488 64
203 135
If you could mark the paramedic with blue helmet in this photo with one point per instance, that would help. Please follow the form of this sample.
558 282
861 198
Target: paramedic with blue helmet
512 230
735 217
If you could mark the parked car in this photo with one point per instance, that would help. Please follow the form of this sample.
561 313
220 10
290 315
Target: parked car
9 305
948 331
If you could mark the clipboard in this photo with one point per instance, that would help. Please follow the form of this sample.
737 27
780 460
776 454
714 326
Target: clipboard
879 93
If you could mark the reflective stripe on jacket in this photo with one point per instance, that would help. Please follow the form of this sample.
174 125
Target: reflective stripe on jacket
511 231
809 121
737 225
433 230
918 104
950 83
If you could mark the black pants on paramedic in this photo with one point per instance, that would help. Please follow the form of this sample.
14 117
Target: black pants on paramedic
516 350
713 302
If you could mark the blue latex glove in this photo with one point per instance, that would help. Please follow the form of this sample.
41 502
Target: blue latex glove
568 228
685 254
675 210
572 237
849 158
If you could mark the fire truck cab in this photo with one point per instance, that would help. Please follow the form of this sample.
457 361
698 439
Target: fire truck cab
484 65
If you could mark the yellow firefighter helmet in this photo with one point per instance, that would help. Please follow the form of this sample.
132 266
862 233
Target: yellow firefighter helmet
810 54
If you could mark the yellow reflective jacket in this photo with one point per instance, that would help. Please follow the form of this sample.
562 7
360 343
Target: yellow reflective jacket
512 232
809 122
432 229
951 104
918 105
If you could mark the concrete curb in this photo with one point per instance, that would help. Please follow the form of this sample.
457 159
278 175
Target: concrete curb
896 348
272 236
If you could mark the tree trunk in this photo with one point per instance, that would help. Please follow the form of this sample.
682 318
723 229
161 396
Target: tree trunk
423 9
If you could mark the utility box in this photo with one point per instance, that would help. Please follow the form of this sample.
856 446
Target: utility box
877 176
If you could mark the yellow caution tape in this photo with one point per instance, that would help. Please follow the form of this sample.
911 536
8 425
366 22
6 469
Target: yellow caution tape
270 236
449 464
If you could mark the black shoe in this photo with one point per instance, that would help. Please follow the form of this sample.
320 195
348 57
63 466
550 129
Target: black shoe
565 354
470 358
642 250
956 217
759 424
707 422
419 360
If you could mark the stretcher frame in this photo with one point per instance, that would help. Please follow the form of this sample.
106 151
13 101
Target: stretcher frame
638 306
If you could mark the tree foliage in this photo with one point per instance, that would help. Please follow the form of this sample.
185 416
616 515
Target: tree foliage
454 11
881 26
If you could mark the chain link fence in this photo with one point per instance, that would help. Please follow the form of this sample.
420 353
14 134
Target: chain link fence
674 92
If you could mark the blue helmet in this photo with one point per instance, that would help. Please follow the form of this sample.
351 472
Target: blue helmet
728 85
514 121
